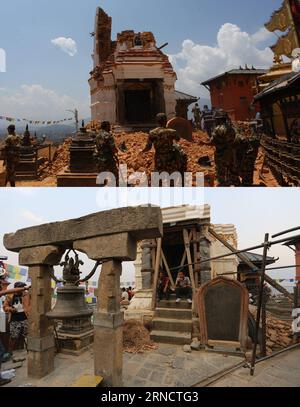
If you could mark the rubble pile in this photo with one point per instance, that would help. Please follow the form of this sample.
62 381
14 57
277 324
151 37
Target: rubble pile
136 337
200 153
60 160
279 333
137 162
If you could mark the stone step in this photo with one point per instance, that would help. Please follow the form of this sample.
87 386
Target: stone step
176 338
173 313
183 304
177 325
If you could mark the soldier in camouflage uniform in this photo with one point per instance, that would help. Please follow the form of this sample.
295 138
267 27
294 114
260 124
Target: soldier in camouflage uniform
246 151
106 151
223 138
295 132
11 155
169 156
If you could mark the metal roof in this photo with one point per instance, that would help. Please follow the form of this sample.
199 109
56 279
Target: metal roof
184 96
284 82
240 71
257 258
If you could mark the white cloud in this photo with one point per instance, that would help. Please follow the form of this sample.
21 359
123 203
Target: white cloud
67 45
38 103
196 63
31 217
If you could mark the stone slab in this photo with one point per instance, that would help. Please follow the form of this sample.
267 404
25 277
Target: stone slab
143 222
119 246
72 180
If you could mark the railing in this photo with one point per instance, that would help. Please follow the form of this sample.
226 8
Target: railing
283 159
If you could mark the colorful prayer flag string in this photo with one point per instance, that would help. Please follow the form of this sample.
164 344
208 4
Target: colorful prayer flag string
34 122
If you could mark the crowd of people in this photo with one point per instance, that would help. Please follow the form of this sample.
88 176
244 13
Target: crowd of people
127 295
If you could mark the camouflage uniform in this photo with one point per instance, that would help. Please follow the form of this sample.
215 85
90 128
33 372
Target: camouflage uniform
223 137
106 153
12 157
246 154
169 156
295 132
197 117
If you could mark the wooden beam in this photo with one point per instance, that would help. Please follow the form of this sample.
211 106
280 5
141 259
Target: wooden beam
189 256
249 263
156 271
167 268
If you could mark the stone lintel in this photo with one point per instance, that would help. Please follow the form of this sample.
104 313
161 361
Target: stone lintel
40 344
44 255
119 246
143 222
106 320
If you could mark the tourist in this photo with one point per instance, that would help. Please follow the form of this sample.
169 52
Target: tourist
124 296
11 155
183 288
130 293
18 308
163 287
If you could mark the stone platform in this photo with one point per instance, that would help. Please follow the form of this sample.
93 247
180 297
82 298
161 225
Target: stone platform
73 180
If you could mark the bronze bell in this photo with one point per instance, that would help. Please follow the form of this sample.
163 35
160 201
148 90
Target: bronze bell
71 306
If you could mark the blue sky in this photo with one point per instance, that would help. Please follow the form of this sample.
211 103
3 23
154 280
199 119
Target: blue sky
253 211
28 26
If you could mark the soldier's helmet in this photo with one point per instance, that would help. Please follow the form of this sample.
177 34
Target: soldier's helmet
162 119
11 128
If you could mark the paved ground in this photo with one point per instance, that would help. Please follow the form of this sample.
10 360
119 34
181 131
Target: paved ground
281 371
168 366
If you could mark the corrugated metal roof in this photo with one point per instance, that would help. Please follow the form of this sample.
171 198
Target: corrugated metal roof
281 83
257 258
240 71
184 96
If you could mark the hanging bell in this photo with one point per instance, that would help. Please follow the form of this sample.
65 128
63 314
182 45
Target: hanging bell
71 307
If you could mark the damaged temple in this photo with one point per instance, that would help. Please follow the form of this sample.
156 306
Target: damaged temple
132 79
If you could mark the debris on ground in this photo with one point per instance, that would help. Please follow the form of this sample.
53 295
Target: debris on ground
136 337
279 333
200 153
60 160
187 349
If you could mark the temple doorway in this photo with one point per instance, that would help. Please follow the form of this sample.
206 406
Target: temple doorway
139 101
138 106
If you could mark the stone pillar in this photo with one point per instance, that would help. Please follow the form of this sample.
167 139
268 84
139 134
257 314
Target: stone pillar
147 266
205 254
40 342
41 345
138 269
108 322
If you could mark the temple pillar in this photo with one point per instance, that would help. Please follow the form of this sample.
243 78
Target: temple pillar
40 343
108 323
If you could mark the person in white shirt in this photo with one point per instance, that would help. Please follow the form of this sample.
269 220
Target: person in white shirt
183 288
125 296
